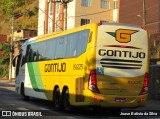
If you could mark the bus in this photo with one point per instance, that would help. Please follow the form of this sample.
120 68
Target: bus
94 65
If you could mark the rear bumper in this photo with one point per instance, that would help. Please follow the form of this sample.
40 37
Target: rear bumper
110 101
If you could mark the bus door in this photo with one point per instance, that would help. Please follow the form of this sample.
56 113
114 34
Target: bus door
16 63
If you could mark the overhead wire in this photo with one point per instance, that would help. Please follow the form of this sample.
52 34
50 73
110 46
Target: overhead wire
50 19
74 17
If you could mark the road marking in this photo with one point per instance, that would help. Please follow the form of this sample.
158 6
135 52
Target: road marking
42 108
22 108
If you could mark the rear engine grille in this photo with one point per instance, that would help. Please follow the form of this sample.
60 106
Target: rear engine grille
121 63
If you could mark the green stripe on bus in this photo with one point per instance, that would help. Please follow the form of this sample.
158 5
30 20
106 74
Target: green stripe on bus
35 77
38 77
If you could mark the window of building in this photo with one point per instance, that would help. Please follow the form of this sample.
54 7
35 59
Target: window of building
105 4
103 21
86 3
115 4
85 21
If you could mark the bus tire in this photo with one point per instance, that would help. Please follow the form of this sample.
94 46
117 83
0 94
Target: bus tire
26 98
57 100
66 101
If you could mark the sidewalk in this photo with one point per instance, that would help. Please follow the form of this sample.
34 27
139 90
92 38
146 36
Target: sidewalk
6 83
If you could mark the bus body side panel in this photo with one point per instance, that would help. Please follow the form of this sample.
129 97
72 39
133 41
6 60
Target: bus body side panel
73 73
33 81
43 76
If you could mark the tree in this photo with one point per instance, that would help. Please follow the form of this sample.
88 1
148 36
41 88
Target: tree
7 7
25 14
4 61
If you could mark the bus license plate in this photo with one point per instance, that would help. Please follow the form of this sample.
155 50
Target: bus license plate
120 99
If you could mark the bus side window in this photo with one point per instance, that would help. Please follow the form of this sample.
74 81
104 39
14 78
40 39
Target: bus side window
72 42
35 56
28 53
18 64
82 41
23 60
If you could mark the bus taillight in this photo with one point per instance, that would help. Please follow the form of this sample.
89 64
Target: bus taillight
145 85
99 24
92 83
143 27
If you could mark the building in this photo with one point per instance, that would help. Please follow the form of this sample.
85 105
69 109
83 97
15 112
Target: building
143 13
3 38
24 33
57 16
20 36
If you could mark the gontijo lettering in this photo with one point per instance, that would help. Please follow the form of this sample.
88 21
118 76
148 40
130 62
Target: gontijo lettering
55 67
118 53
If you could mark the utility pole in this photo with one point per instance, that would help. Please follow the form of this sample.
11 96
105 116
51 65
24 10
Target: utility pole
144 13
46 17
65 4
53 15
65 15
11 50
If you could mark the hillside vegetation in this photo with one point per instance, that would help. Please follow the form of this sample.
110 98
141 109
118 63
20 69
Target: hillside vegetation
24 12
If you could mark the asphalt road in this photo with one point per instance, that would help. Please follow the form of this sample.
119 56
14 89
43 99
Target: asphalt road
13 106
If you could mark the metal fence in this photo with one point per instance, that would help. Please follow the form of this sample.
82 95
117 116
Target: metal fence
154 81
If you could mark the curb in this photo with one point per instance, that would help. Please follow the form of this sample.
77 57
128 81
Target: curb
7 82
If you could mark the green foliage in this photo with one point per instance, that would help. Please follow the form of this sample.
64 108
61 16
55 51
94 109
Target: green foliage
7 7
4 61
24 12
4 70
1 47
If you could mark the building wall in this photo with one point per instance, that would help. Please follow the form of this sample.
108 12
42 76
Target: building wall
19 38
18 35
24 33
129 9
153 16
41 15
76 12
94 12
115 15
71 10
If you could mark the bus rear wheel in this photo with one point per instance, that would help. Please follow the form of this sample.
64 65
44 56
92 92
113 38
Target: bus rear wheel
57 100
66 101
